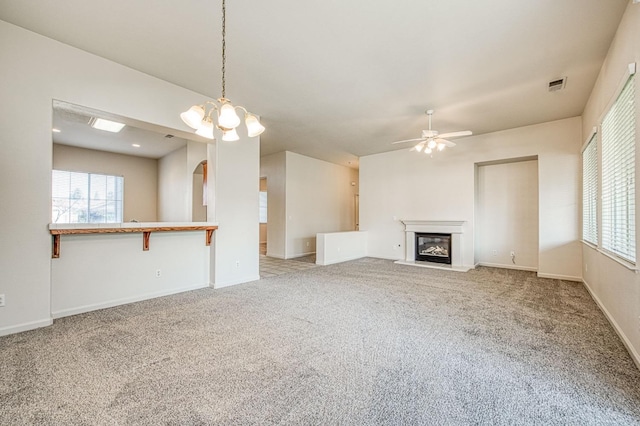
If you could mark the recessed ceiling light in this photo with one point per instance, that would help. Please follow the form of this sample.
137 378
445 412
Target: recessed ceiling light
108 125
55 130
135 145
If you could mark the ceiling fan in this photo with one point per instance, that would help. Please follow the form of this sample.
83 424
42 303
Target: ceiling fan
431 140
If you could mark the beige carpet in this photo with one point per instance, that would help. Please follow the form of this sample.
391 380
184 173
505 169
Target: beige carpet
366 342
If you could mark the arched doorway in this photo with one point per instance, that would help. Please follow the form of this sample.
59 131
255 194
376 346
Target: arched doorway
199 209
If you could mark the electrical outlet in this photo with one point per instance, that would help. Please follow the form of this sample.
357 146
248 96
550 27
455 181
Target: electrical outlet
158 273
494 252
1 299
237 263
513 253
307 243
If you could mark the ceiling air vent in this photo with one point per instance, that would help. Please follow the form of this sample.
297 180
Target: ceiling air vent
168 136
558 84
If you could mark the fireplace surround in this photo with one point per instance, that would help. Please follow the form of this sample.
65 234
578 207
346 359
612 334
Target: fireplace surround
454 228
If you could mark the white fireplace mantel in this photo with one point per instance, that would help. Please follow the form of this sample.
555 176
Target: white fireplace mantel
436 226
453 227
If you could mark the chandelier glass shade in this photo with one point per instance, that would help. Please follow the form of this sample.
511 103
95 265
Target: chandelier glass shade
221 113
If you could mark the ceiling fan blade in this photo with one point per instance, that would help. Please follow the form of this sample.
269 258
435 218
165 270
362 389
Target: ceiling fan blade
407 140
456 134
445 142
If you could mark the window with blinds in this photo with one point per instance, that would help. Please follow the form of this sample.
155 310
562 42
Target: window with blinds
618 176
590 191
86 197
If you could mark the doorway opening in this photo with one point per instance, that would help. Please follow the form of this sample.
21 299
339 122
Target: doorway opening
199 205
263 216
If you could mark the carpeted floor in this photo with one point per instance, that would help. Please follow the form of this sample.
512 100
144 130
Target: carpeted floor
366 342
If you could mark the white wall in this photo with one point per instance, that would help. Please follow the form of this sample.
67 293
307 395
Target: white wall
319 198
36 70
407 185
236 186
336 247
615 287
507 215
306 197
140 176
173 198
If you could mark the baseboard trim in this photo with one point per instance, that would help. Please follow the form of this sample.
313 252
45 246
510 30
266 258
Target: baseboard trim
560 277
627 343
341 260
500 265
235 282
27 326
110 304
277 256
301 255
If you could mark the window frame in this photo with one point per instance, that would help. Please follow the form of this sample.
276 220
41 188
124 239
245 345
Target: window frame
119 202
591 190
628 263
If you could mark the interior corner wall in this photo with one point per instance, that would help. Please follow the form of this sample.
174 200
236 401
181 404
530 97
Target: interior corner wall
78 77
402 185
172 195
507 215
273 167
319 199
140 176
615 287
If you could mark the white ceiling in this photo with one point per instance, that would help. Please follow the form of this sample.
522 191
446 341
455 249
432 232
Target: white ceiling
72 122
338 79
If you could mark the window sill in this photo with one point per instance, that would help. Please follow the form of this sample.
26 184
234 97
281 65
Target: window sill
630 266
590 245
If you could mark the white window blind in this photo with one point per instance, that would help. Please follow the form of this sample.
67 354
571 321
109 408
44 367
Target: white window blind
86 197
618 176
590 191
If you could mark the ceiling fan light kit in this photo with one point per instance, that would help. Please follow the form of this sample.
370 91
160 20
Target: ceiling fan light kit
201 117
431 140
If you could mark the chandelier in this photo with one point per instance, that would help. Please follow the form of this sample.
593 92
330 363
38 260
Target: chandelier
221 113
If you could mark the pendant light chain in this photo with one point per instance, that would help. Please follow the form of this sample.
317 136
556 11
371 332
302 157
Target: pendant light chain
224 46
221 114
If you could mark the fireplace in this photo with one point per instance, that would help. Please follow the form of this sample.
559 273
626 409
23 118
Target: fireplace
433 247
454 229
